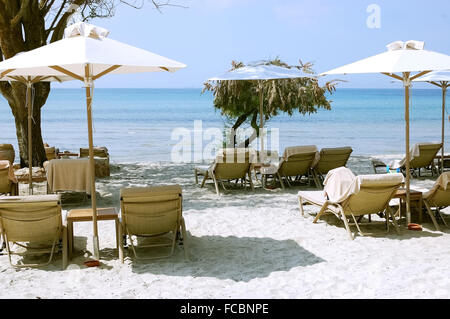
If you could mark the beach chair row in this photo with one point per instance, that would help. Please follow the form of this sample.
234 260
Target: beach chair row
296 163
351 197
145 212
157 211
302 162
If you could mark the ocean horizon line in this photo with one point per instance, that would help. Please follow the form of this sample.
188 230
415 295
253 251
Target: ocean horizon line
199 88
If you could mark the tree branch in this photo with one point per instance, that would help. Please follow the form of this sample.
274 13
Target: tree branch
19 15
155 3
45 7
2 16
59 28
49 30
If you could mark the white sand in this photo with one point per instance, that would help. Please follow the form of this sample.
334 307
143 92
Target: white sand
244 245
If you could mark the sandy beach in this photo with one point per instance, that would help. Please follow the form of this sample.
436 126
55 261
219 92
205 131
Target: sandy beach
243 244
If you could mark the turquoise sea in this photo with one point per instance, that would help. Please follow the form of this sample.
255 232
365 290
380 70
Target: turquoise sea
136 125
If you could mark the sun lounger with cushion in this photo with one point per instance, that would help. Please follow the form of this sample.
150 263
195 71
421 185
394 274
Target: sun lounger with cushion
331 158
8 181
422 156
230 165
438 197
296 162
348 196
152 213
7 153
31 222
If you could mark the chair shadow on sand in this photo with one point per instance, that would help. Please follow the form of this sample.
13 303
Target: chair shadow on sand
378 229
238 259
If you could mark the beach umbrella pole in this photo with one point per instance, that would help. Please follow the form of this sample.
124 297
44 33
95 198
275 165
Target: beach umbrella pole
444 93
88 84
261 120
406 82
30 138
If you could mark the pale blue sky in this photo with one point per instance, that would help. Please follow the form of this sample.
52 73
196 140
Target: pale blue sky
210 33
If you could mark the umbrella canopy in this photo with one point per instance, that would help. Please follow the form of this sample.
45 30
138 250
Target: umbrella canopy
442 80
85 54
260 73
399 62
401 57
85 45
442 76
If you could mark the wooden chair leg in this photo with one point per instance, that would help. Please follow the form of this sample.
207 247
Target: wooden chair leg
321 212
250 180
390 213
204 179
442 217
347 226
64 248
427 205
300 202
281 180
183 232
70 238
121 252
287 181
117 224
216 184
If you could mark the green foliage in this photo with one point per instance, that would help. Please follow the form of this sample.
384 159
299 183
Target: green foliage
239 100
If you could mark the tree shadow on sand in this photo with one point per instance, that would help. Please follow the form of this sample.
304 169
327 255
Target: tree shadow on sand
238 259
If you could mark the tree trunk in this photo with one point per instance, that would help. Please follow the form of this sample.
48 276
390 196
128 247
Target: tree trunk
241 120
20 112
22 28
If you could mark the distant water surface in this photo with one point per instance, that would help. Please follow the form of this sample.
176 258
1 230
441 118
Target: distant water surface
136 124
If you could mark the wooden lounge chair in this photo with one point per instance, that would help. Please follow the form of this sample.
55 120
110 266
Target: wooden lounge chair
101 156
8 182
296 162
422 157
51 152
354 197
230 164
152 212
329 159
7 153
33 220
439 198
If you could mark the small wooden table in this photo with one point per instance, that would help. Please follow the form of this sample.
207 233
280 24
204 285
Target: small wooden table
85 215
257 168
415 197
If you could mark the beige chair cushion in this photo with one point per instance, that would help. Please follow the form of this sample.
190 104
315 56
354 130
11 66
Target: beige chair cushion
31 218
331 158
151 211
439 195
150 191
